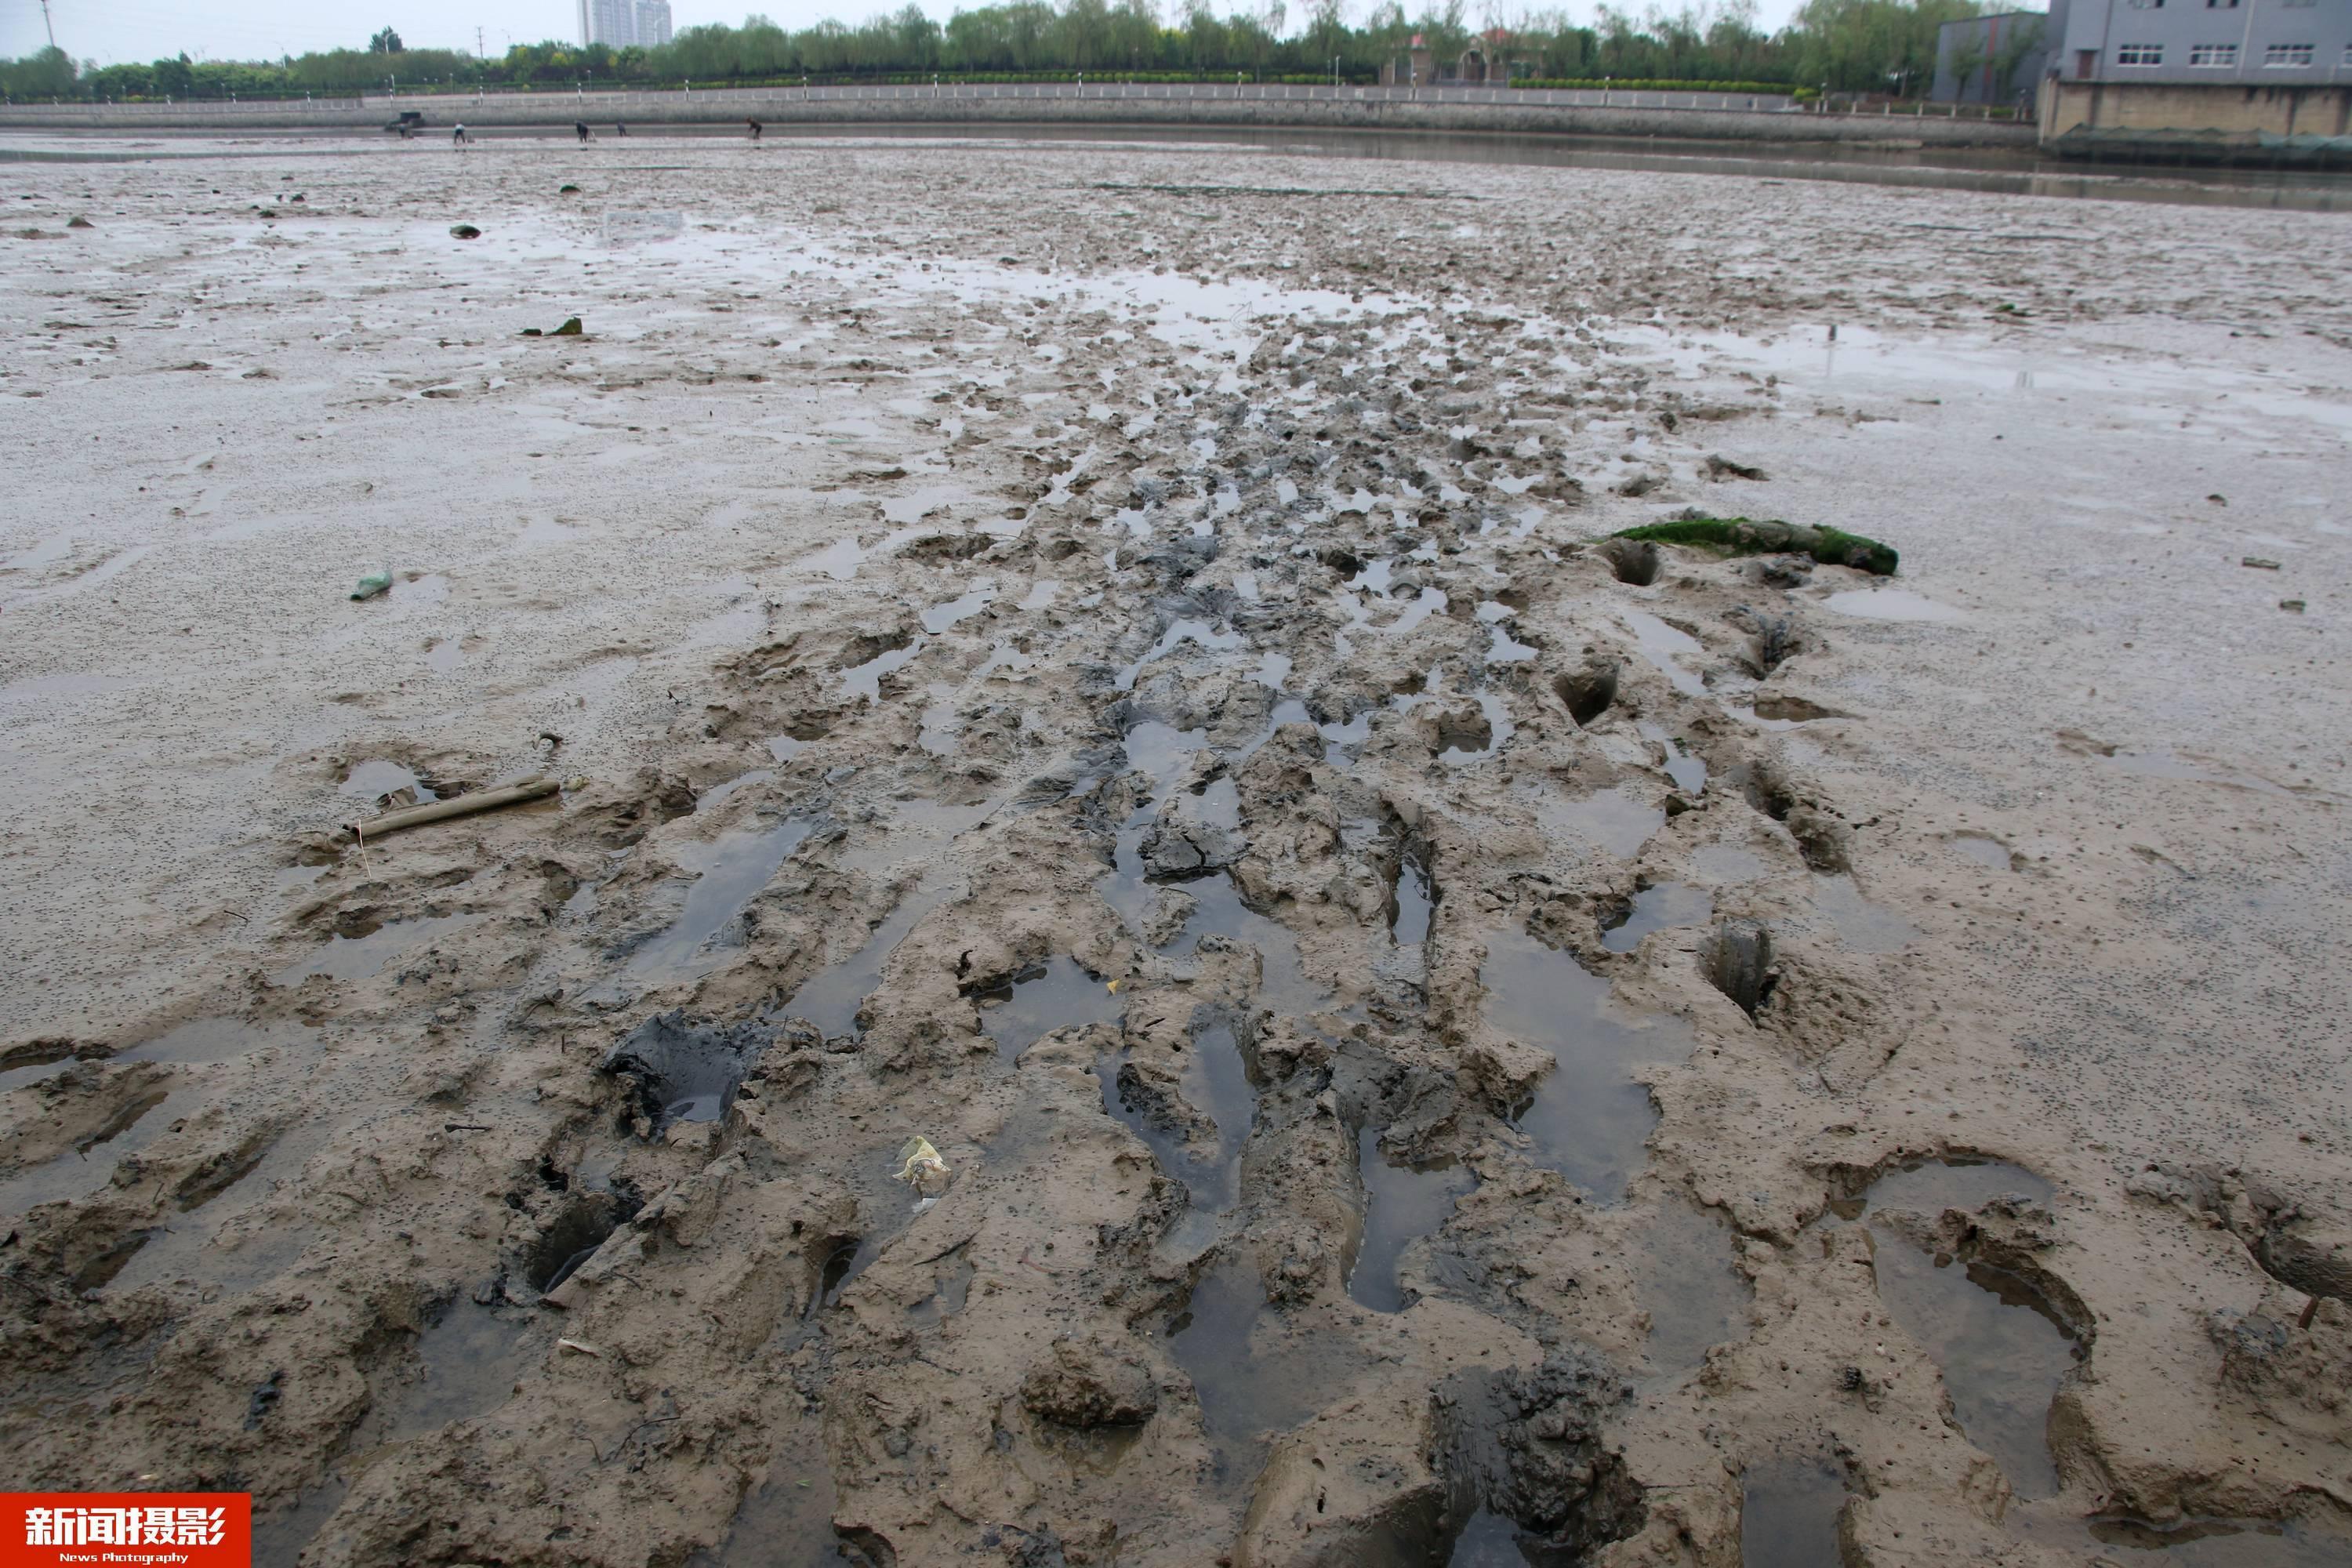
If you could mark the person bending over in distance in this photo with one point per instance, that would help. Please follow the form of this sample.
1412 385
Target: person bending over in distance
580 127
756 128
457 137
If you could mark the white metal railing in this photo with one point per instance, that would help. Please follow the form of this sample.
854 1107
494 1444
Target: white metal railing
603 103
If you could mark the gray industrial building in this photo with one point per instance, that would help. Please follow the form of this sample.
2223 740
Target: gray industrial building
1995 60
2246 69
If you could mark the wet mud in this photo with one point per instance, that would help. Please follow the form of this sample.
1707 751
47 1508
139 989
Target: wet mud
1154 949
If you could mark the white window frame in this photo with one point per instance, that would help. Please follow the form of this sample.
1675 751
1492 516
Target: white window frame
2290 56
2213 57
2127 56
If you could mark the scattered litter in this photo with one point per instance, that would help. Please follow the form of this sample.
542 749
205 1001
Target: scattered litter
458 805
464 231
918 1163
2258 563
2292 606
570 329
79 222
372 585
567 190
579 1347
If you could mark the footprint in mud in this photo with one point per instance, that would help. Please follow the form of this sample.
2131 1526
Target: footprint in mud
1257 1376
370 950
1402 1203
1215 1085
1661 908
1589 1119
2002 1348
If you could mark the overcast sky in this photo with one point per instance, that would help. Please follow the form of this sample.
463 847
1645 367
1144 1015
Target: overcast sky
113 31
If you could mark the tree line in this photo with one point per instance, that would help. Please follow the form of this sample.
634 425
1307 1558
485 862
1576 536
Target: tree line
1846 45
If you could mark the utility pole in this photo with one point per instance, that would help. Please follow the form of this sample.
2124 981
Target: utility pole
478 51
52 26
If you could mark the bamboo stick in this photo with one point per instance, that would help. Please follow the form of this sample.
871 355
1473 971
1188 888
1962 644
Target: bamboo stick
458 805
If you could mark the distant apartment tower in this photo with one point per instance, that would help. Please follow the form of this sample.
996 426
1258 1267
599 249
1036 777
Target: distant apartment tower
653 23
611 22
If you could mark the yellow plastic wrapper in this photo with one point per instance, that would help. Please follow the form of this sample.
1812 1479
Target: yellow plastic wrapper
920 1164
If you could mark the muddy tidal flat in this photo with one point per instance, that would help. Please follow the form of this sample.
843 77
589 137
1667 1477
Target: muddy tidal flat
1444 1041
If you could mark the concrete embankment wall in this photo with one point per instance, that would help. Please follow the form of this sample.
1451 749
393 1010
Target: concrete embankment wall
649 112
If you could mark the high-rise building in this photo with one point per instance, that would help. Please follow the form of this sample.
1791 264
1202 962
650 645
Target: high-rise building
612 22
653 22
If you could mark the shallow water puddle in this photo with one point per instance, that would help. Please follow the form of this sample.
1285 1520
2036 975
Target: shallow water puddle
1686 1273
374 779
1861 925
1587 1120
1216 1084
832 999
1662 646
786 1521
1179 633
1990 852
362 957
865 680
940 617
78 1172
1891 604
1687 772
1789 1511
466 1363
1159 751
1256 1376
732 869
1490 1539
1409 923
1931 1187
2001 1351
1402 1203
1055 995
1662 907
1615 821
2193 1544
1501 650
717 792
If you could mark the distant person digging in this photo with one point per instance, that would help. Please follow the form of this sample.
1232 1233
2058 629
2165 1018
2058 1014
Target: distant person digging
457 137
619 129
580 128
756 128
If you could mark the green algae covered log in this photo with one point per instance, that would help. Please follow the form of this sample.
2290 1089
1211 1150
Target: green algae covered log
1741 536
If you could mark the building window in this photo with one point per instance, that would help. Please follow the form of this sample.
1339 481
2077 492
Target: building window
2216 56
2155 4
2139 54
2298 5
2221 5
2287 55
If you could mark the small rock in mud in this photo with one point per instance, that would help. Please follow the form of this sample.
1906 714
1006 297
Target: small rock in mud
1086 1384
